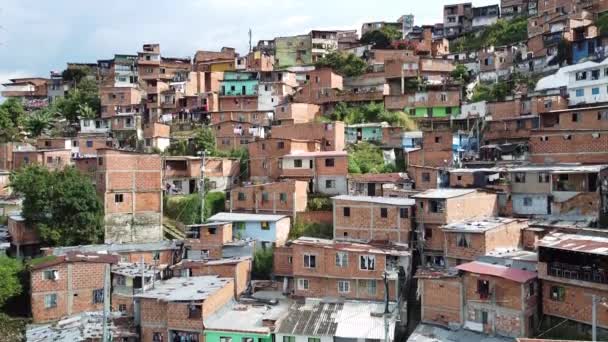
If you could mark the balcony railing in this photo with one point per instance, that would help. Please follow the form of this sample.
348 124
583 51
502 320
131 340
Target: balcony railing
582 273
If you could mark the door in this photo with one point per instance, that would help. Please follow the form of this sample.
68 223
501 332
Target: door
359 134
371 189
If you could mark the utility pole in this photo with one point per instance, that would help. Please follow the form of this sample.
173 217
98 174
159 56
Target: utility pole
201 187
387 312
106 305
595 300
249 39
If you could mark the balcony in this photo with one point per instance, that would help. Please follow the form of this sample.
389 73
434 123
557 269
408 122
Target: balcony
582 273
552 39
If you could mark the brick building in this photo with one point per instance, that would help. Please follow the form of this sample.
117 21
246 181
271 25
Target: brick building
238 268
296 113
181 174
324 171
66 285
439 207
467 240
331 135
130 279
378 184
176 307
205 241
287 197
312 267
25 240
571 267
265 156
441 296
51 159
266 228
373 218
130 185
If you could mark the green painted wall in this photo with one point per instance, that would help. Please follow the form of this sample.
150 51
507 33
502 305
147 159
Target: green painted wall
214 336
295 50
437 112
367 134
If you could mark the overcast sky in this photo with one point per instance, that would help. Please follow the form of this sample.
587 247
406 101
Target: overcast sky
39 36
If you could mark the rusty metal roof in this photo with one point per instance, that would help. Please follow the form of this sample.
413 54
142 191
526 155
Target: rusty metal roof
576 242
500 271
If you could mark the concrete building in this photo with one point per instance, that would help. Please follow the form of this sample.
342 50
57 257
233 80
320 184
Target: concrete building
457 19
378 184
373 218
438 207
130 185
176 308
312 267
286 197
485 16
238 267
268 229
130 279
31 91
67 285
181 175
510 9
369 132
586 83
324 171
265 156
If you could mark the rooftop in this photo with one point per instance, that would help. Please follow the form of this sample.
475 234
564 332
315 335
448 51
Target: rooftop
576 242
432 333
509 273
479 225
380 177
186 289
82 327
369 124
388 248
250 317
376 199
537 168
444 193
317 154
239 217
340 319
52 260
132 269
118 248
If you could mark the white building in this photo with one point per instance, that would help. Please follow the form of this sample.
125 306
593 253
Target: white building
588 83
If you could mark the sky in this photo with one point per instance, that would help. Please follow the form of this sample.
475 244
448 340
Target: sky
39 36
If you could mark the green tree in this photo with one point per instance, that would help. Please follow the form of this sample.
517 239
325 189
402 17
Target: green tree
461 73
262 264
76 74
80 100
12 115
309 229
377 39
39 121
204 140
346 64
503 32
366 158
10 283
63 205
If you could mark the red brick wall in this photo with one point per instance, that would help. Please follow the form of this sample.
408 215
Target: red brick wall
576 304
581 148
281 261
232 103
328 287
441 301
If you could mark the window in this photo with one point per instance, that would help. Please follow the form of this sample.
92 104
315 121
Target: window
289 339
225 339
343 286
574 117
383 212
483 288
520 177
98 296
367 262
157 337
297 163
602 115
118 198
290 260
543 177
527 201
369 285
50 301
437 140
595 74
481 316
521 124
341 259
426 177
50 275
122 307
330 184
281 145
557 293
303 284
404 213
283 197
121 280
595 91
247 339
346 211
265 225
329 162
581 75
195 311
241 196
463 240
265 197
310 261
428 233
580 92
436 206
531 289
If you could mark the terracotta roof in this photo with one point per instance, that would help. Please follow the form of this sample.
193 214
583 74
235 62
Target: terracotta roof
504 272
77 257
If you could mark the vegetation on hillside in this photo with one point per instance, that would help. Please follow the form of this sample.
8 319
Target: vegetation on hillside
499 91
311 229
62 206
365 157
382 38
262 264
503 32
373 112
187 208
12 115
10 282
345 64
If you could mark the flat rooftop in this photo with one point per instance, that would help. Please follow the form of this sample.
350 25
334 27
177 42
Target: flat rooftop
131 269
117 248
444 193
432 333
389 248
377 199
185 289
478 225
246 318
241 217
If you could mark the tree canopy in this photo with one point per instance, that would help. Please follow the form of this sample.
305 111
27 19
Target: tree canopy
10 283
382 38
81 101
372 112
345 64
12 115
365 157
63 205
503 32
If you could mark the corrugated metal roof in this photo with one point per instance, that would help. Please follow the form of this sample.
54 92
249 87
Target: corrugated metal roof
444 193
504 272
247 318
241 217
377 199
576 242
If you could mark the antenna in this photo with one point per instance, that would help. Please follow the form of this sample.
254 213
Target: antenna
249 39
